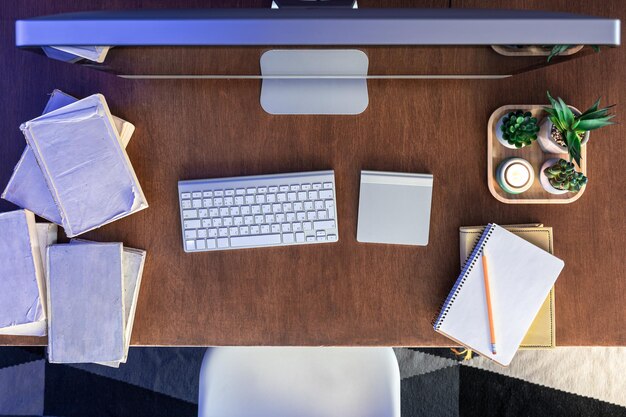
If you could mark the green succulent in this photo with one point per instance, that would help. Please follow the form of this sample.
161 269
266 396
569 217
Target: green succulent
563 176
572 127
559 49
519 129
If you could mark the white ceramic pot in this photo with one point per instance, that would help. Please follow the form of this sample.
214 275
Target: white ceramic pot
543 179
547 144
502 141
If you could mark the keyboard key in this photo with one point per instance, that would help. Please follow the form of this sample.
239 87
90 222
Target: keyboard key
196 194
218 193
265 228
259 218
270 218
271 198
210 244
191 224
185 204
317 185
228 201
244 230
277 208
326 194
321 238
202 233
280 197
207 194
249 199
322 214
203 213
287 207
283 188
300 237
245 210
207 202
331 213
196 203
234 211
294 187
310 238
298 206
185 196
218 201
261 190
207 222
291 217
292 196
319 205
200 244
266 208
296 227
306 226
213 212
286 227
308 205
256 209
259 240
222 231
222 242
260 198
190 244
190 214
251 190
240 191
217 222
238 220
272 188
300 216
229 192
280 217
234 231
288 238
190 234
331 238
275 228
328 185
305 187
311 215
248 219
320 233
302 195
224 211
255 230
212 232
324 224
239 200
227 221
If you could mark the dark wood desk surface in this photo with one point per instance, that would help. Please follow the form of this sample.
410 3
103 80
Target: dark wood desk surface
346 293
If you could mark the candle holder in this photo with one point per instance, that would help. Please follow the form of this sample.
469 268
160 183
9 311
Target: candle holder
515 175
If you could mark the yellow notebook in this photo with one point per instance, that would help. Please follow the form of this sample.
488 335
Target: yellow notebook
541 334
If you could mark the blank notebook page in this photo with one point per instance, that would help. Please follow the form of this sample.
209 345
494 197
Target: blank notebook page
520 276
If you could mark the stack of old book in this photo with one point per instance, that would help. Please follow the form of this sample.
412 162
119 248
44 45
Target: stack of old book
75 173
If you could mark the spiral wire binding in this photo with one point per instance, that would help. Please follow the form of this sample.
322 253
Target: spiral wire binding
444 308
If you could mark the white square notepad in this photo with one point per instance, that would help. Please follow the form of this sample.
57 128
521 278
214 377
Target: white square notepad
394 208
520 277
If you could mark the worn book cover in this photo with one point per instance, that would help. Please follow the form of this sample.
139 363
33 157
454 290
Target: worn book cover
21 271
85 303
86 169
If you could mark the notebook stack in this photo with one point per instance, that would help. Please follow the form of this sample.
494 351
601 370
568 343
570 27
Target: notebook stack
92 292
74 171
520 278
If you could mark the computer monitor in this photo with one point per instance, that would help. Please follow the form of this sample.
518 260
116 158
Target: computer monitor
317 51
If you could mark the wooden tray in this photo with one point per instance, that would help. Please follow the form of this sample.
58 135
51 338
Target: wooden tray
533 154
532 51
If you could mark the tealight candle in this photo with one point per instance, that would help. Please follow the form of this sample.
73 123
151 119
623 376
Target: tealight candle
515 175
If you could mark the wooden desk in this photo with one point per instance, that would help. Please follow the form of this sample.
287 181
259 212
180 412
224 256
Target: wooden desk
346 293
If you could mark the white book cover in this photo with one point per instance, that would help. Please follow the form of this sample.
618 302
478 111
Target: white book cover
46 236
92 53
85 303
133 261
21 270
27 186
87 170
520 278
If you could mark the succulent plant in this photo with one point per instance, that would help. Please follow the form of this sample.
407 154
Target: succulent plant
573 127
519 128
563 176
559 49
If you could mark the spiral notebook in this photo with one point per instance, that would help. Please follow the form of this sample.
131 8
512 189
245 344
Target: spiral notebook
521 276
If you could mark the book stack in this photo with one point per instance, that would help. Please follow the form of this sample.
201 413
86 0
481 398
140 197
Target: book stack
75 173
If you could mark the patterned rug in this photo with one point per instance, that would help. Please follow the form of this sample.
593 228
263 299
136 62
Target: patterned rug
164 382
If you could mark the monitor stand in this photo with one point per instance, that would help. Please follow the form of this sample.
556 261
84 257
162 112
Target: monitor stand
314 81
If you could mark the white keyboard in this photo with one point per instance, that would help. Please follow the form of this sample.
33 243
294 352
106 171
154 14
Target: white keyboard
258 211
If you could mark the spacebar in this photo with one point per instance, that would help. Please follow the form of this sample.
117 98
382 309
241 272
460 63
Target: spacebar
256 240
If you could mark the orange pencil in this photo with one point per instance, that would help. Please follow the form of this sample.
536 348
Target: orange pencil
489 310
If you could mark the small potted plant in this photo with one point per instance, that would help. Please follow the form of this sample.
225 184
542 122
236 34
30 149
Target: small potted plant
566 130
558 176
517 129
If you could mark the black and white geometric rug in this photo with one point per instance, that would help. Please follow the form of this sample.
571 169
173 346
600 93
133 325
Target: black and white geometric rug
164 382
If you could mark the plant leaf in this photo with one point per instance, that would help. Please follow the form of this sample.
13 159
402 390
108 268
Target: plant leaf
573 146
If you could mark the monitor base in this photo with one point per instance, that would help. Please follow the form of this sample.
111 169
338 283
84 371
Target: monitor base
314 81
